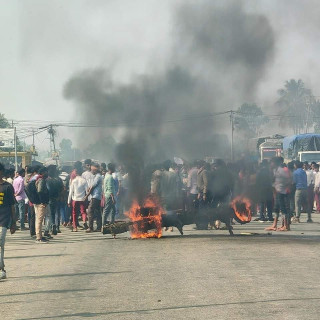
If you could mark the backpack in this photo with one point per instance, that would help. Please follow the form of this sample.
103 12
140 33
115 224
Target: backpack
32 193
55 186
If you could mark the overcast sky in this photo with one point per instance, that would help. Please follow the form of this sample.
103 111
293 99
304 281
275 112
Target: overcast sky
44 42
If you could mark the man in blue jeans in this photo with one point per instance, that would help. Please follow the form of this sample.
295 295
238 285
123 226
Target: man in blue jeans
55 188
301 195
7 216
281 185
20 195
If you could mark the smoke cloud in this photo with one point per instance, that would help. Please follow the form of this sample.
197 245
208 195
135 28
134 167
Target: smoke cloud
219 56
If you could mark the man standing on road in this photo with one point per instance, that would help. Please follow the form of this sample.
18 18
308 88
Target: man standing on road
310 180
19 193
76 199
301 196
317 186
282 189
88 176
264 191
95 195
109 192
192 186
203 182
7 216
55 187
41 208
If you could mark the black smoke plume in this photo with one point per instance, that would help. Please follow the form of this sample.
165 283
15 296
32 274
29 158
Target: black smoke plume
221 52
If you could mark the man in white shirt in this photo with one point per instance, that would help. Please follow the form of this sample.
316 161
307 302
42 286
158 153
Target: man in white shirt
87 174
89 177
310 181
77 193
316 186
117 181
192 186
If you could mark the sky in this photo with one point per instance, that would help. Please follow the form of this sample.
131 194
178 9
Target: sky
46 42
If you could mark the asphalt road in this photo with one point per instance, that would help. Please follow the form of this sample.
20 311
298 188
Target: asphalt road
202 275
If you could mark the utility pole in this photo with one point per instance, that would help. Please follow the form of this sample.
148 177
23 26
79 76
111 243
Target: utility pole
52 133
15 150
232 133
33 146
15 146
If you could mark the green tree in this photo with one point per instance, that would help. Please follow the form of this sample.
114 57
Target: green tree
102 149
67 153
249 119
295 105
4 123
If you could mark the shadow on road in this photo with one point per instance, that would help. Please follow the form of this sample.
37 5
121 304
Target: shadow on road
45 291
211 305
68 275
38 256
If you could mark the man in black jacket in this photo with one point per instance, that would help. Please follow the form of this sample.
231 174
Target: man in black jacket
41 209
55 188
264 191
7 216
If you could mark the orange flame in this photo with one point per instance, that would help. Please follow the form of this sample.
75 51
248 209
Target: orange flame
242 209
149 225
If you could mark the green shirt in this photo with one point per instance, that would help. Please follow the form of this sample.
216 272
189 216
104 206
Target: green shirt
109 187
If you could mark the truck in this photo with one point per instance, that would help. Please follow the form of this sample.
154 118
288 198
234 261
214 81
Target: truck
302 147
265 147
270 148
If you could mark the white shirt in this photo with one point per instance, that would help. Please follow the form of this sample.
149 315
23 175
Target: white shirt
310 177
317 179
78 189
193 180
125 181
89 177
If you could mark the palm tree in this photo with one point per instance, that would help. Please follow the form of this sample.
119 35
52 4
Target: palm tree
294 104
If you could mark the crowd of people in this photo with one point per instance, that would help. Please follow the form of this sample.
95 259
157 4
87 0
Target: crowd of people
48 198
273 187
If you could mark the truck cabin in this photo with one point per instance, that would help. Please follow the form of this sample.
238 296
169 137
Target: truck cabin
309 156
269 150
